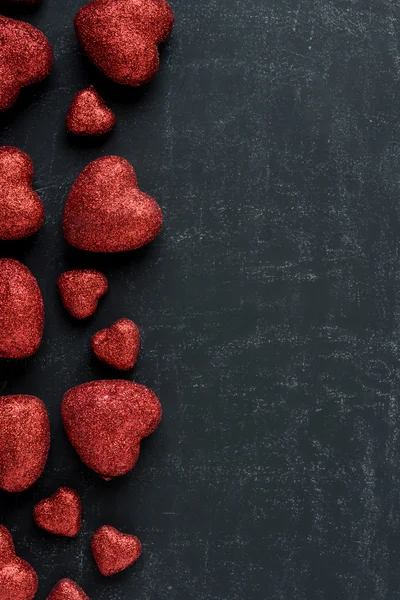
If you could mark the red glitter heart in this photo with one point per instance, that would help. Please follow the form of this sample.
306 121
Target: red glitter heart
118 346
114 551
105 210
81 290
89 115
21 210
105 421
21 310
122 36
26 57
24 441
18 580
66 589
60 514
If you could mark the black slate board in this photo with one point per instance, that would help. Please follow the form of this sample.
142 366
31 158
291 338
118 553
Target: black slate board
268 306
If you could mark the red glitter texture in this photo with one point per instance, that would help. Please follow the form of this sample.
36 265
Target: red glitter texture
21 210
118 346
18 580
122 37
26 57
81 290
89 115
60 514
105 421
24 441
114 551
105 210
21 310
66 589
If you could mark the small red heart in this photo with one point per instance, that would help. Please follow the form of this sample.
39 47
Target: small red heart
118 345
21 310
18 580
21 210
81 290
89 115
105 210
66 589
24 441
122 36
105 421
60 514
114 551
26 57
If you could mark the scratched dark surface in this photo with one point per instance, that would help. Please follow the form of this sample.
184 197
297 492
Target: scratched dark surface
269 306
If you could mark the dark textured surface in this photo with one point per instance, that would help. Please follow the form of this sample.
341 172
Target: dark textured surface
268 306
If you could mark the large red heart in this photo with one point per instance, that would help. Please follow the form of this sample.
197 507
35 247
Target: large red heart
114 551
122 36
105 421
118 345
89 115
66 589
18 580
24 441
81 290
21 310
26 57
60 514
105 210
21 210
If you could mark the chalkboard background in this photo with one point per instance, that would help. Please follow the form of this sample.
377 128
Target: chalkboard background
269 305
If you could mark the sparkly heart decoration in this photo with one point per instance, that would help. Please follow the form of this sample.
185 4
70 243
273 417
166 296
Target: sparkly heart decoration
26 57
114 551
60 514
66 589
24 441
105 210
122 36
81 290
89 115
18 580
118 345
105 421
21 310
21 210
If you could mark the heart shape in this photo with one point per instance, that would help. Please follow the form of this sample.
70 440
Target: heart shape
105 421
114 551
21 210
89 115
81 290
18 580
122 36
24 441
26 57
66 589
21 310
105 210
118 345
60 514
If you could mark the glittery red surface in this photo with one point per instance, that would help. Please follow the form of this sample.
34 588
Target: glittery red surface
105 210
105 421
118 345
26 57
24 441
81 290
122 36
18 580
21 310
60 514
66 589
114 551
89 115
21 210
